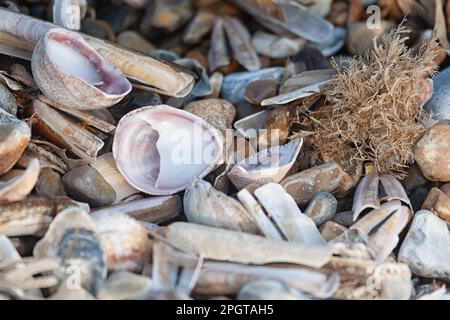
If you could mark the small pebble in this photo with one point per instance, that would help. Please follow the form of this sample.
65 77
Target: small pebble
87 185
330 230
219 113
439 203
49 184
322 208
259 90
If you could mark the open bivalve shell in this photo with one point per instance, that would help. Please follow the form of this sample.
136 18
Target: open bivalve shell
70 72
160 149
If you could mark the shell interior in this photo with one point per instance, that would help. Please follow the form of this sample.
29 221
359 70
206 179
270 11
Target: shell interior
159 150
75 57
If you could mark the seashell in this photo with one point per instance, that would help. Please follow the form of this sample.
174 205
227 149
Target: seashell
366 195
7 101
227 245
72 238
275 47
133 40
386 238
333 43
393 281
216 81
270 165
146 141
217 112
93 83
306 78
199 26
8 253
259 90
330 230
125 242
439 105
32 215
17 184
218 53
249 126
153 210
292 223
202 86
233 87
151 74
304 185
66 293
394 189
14 138
217 278
67 13
255 211
125 285
67 134
106 166
205 205
268 289
240 43
289 16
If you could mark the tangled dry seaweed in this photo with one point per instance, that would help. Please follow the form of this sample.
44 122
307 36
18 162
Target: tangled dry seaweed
373 110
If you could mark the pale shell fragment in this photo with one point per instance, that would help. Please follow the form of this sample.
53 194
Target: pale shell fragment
270 165
17 184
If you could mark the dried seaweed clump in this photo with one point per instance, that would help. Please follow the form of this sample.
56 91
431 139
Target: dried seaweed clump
373 111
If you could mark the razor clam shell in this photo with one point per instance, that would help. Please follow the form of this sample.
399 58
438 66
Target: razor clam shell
275 47
367 223
164 272
366 195
153 210
234 84
14 138
84 116
281 207
227 245
306 78
218 53
67 134
203 204
270 165
31 216
67 14
254 209
268 289
288 97
8 253
221 278
125 242
394 189
240 42
199 26
384 241
125 285
156 75
106 166
248 127
333 43
16 185
290 16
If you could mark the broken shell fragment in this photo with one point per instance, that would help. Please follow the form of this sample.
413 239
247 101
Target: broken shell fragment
276 47
125 242
259 90
153 210
14 138
204 204
67 134
304 185
366 195
270 165
17 184
227 245
71 73
31 216
71 237
268 290
281 207
160 149
125 285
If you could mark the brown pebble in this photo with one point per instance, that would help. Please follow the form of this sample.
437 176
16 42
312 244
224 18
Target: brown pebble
219 113
259 90
330 230
439 203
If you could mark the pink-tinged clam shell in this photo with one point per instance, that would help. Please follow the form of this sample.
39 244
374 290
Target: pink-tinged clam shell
160 149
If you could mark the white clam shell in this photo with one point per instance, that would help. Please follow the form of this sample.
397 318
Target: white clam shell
160 149
94 83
